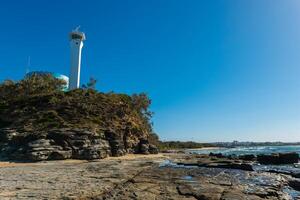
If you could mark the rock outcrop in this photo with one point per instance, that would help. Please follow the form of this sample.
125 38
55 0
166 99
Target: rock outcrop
247 157
60 144
217 161
265 159
278 158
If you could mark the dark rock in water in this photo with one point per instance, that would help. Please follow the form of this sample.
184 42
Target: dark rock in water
295 184
60 144
232 156
278 158
218 155
295 174
248 157
241 166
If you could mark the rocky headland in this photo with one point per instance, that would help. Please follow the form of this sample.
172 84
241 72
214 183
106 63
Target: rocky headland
39 121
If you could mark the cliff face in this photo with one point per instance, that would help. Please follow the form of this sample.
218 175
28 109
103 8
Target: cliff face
39 122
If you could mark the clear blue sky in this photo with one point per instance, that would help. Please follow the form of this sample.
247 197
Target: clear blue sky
215 70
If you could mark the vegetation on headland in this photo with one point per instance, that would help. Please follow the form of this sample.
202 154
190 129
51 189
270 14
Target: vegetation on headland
176 145
167 145
40 121
37 103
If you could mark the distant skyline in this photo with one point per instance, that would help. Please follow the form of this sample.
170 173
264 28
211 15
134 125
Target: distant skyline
215 70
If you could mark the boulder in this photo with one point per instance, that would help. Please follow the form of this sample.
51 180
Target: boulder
116 143
153 149
278 158
117 147
143 147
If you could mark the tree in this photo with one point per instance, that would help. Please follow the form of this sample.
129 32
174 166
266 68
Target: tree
141 103
7 89
34 84
39 84
91 84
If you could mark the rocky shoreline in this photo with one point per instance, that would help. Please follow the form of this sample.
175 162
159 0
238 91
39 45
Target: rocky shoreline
161 176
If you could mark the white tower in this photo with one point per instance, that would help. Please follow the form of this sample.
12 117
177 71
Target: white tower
76 41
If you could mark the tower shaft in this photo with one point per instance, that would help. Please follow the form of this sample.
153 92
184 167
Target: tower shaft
76 46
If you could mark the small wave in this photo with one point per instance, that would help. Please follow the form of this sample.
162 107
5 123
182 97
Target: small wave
251 150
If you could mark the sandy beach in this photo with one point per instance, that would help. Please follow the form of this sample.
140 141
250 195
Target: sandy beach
73 161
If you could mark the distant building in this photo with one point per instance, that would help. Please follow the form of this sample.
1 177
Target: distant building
55 75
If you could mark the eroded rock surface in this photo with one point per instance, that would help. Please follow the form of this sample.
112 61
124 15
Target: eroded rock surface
175 181
146 177
61 144
73 179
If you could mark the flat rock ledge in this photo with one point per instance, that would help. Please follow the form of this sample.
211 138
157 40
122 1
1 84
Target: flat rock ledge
140 177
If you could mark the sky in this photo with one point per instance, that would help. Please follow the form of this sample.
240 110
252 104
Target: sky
218 70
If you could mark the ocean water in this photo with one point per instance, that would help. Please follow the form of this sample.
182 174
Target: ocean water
255 150
249 150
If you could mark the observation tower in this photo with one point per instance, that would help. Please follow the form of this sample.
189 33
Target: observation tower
76 42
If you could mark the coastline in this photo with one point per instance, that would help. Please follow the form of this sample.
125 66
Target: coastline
207 148
75 161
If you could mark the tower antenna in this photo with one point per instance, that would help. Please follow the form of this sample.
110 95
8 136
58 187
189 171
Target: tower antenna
28 65
77 28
